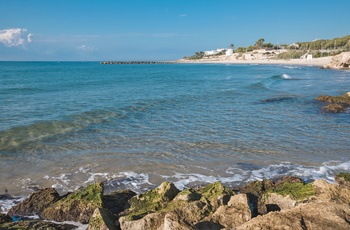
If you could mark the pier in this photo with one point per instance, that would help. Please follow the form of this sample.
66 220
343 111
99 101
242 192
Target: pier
135 62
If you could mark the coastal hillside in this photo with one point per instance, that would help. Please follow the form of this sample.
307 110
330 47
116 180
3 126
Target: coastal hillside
261 50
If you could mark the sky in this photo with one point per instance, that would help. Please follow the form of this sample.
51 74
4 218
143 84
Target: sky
113 30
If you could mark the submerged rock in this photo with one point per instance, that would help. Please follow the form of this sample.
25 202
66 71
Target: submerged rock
336 104
35 203
77 206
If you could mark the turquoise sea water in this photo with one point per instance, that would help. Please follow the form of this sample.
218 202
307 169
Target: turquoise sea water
70 123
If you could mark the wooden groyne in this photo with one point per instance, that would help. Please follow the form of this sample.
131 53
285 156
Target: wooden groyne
135 62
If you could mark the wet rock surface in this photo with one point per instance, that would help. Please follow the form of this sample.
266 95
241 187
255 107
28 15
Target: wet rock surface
281 203
335 104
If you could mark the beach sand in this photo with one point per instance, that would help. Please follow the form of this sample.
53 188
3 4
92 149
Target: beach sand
232 60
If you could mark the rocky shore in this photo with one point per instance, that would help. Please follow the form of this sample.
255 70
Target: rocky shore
281 203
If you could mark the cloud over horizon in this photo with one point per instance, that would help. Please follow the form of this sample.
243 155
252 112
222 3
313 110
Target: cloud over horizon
15 37
86 48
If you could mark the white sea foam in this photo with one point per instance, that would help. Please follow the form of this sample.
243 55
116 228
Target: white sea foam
286 76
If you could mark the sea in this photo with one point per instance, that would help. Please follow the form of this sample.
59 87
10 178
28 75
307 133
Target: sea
68 124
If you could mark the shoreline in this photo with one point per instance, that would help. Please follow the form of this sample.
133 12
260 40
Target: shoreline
319 62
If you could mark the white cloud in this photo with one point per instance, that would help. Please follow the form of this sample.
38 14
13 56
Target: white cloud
86 48
183 15
15 37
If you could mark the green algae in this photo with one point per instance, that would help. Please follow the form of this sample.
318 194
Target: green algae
152 201
345 176
76 206
297 191
337 104
167 198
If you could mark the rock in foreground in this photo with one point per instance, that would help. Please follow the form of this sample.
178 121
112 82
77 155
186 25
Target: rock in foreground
284 203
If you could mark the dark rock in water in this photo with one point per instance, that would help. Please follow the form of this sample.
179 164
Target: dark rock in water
336 104
37 225
77 206
35 203
277 99
116 202
4 218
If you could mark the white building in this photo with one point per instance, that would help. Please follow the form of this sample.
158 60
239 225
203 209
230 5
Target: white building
213 52
229 52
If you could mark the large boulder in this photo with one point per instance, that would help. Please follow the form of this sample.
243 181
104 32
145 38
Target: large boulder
331 192
151 201
305 216
343 178
285 195
77 206
340 61
151 210
235 213
35 203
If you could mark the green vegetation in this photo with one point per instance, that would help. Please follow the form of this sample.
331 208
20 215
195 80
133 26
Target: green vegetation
297 191
318 48
342 43
292 54
345 176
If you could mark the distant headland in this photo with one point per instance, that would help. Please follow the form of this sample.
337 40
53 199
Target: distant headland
319 52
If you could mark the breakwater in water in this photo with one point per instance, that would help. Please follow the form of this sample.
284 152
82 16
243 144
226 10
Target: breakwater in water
135 62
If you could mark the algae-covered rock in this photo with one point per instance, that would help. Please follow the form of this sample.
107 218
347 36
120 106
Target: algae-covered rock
77 206
191 206
284 194
151 201
35 203
343 179
336 104
36 225
102 219
216 194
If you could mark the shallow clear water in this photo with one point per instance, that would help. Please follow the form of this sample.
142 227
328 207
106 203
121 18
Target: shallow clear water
68 124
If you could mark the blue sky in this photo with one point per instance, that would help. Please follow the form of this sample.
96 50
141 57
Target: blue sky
59 30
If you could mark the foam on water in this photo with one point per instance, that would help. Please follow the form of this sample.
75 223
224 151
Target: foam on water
286 76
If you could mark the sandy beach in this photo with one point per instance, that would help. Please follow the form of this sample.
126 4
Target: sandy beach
232 60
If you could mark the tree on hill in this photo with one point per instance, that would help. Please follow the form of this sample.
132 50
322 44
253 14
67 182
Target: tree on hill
259 43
